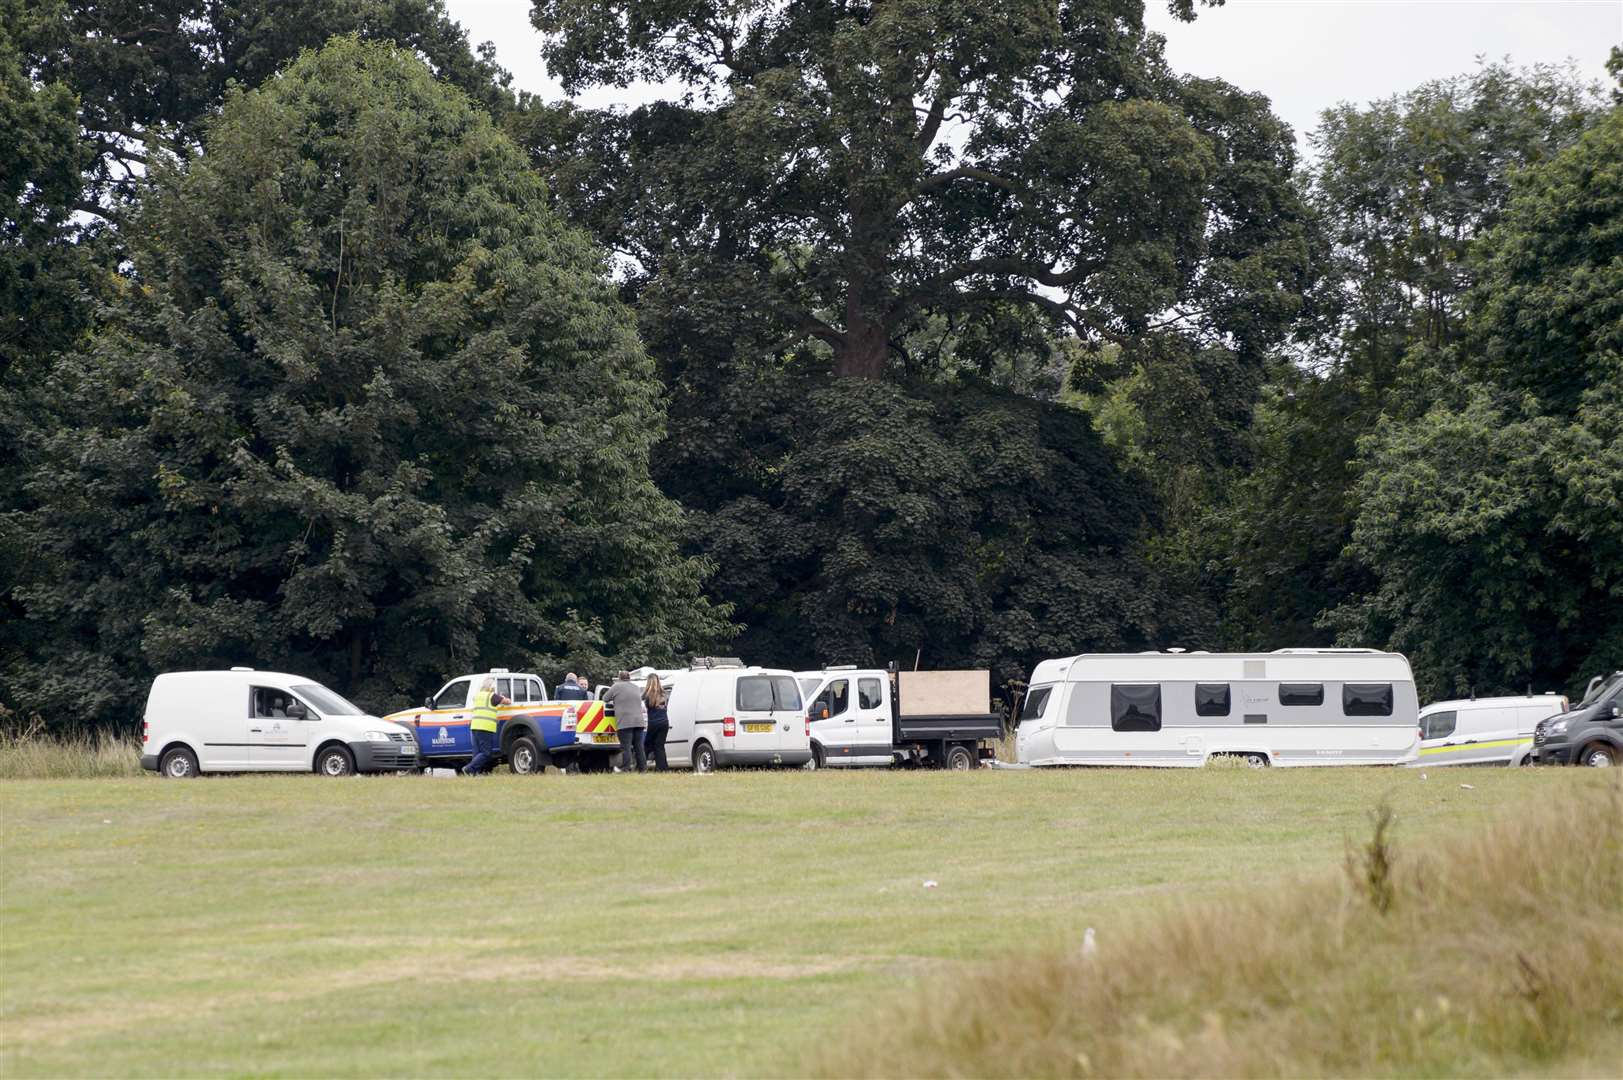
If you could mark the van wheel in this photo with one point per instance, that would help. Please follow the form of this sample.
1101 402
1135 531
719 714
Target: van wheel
335 761
1255 761
818 760
523 757
1598 756
704 758
959 759
178 764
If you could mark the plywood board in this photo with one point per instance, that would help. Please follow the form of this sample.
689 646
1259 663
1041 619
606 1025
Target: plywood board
944 693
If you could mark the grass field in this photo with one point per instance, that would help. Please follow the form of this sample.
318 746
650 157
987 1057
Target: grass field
749 923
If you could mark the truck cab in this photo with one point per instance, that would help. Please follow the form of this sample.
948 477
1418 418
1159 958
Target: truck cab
1591 733
532 731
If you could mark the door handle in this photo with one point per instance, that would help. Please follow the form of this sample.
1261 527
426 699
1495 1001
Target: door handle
254 730
850 720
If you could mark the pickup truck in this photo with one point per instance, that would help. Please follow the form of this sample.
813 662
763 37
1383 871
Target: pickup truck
531 732
873 716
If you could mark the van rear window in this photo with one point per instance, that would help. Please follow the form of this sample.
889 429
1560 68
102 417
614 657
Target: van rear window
768 693
1366 699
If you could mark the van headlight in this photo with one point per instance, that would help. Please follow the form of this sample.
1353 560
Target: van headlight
377 736
1557 727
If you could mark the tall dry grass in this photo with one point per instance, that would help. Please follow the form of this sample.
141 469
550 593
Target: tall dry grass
1497 953
29 753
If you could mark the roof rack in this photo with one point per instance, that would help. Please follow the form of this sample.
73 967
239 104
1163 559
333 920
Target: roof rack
1327 649
698 662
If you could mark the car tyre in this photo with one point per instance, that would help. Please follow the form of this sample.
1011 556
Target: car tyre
958 758
1255 761
704 758
818 759
335 761
524 757
178 764
1598 756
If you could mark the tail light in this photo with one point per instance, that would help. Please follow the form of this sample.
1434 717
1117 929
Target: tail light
808 725
145 732
729 726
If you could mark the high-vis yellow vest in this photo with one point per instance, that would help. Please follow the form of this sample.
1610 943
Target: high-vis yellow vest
484 713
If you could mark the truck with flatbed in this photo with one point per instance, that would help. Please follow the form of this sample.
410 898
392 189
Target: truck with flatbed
532 732
882 716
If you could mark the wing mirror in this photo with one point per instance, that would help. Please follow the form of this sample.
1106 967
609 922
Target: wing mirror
297 712
428 702
1617 710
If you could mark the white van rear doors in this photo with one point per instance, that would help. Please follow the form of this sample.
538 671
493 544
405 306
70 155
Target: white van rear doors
765 707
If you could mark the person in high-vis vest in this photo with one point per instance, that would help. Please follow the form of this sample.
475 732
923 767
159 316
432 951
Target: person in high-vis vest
482 726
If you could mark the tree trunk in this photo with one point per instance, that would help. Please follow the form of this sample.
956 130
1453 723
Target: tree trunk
862 354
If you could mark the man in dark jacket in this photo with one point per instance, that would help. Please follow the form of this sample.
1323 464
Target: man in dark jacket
571 690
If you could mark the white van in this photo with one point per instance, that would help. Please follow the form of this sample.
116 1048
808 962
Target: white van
723 713
1289 707
1484 731
264 721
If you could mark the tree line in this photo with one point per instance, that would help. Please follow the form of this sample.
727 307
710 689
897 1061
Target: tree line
972 334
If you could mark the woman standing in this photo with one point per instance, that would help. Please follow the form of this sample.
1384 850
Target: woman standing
659 721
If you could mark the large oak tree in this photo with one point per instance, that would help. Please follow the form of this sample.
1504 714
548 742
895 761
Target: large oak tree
849 170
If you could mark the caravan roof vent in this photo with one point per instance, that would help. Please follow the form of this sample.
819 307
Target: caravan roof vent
242 669
1177 650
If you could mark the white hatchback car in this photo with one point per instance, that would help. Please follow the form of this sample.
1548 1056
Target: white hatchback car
264 721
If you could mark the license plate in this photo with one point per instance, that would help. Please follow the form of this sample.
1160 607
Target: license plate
606 739
757 727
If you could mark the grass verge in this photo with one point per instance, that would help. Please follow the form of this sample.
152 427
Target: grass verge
31 755
1493 952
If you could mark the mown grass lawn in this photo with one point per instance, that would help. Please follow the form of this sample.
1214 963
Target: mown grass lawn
672 924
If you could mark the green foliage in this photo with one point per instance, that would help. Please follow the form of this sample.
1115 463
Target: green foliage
1494 522
966 525
368 411
1405 191
853 172
149 73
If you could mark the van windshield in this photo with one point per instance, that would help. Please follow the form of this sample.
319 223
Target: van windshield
1604 687
808 685
326 702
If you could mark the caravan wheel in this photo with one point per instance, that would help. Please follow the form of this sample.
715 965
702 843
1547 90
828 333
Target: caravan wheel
1255 761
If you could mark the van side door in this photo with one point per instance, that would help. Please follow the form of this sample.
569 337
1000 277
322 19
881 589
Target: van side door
836 732
278 735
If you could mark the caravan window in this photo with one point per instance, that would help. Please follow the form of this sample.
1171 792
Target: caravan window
1135 706
1211 699
1036 702
1439 725
1301 693
1366 699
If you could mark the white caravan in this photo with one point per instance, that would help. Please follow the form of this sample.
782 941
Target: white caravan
264 721
1484 731
1290 707
723 713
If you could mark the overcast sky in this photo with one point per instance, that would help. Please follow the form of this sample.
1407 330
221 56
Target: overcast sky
1306 55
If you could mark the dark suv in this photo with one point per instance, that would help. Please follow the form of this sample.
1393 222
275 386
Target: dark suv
1590 733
